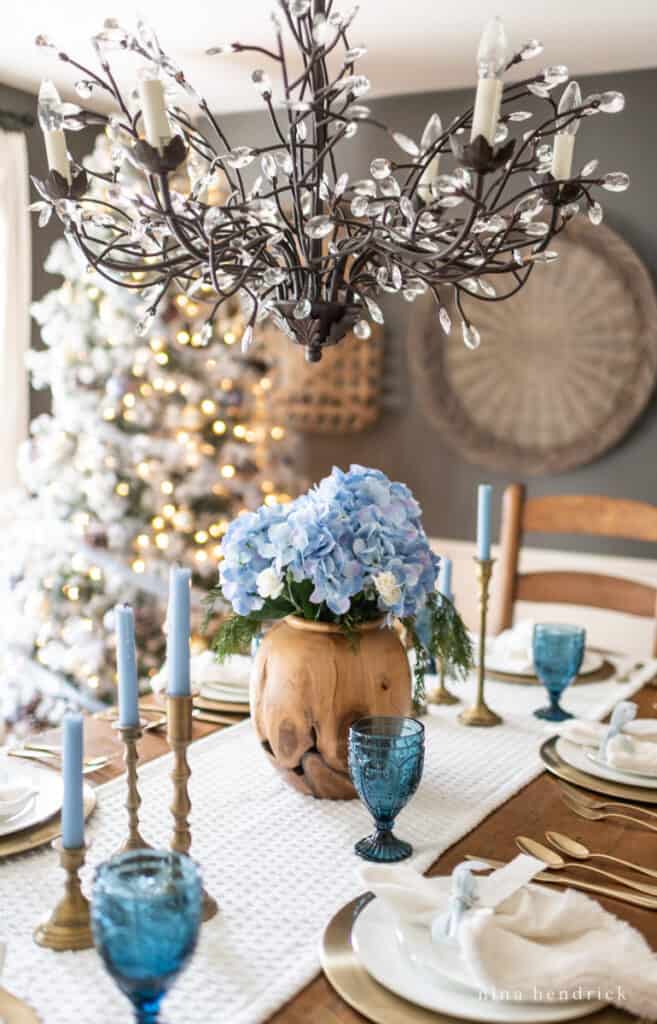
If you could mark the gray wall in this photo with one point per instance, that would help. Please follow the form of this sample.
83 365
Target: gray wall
402 443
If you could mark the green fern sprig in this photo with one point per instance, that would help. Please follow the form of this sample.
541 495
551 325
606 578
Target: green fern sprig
450 640
235 635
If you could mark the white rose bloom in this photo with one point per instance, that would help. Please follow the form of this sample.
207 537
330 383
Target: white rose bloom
269 584
388 588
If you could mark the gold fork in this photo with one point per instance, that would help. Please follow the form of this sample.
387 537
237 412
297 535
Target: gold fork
53 760
592 815
596 804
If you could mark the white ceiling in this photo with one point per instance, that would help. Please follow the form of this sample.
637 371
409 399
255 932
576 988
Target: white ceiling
414 45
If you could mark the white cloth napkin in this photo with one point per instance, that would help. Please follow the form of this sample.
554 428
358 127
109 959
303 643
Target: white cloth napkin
15 796
626 743
533 939
231 677
632 755
513 648
590 734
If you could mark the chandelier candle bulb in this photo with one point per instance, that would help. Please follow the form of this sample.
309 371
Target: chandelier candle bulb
56 152
428 175
562 157
72 808
178 632
53 133
126 658
491 61
564 140
153 109
484 494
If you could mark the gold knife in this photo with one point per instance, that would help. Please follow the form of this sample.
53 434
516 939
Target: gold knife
14 1010
616 893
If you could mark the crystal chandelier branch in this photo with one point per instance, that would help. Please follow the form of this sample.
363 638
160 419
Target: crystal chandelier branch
296 239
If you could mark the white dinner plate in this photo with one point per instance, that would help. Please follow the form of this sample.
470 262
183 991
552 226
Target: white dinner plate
578 757
45 805
376 945
234 694
591 662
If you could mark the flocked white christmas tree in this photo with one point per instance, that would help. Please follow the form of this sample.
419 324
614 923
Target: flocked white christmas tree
154 443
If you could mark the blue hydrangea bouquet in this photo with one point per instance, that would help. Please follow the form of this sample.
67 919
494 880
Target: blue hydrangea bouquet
349 551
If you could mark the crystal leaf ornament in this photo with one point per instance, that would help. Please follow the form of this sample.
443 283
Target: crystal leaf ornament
278 224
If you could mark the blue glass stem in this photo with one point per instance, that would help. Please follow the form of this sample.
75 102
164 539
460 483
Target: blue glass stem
555 699
148 1010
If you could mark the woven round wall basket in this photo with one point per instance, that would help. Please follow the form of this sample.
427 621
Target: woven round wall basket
564 368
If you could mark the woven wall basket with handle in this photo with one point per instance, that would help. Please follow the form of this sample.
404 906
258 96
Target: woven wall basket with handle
564 368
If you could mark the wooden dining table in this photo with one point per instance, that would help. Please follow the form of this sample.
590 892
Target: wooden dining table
531 812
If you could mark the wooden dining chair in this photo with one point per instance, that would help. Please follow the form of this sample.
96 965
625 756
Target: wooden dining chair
593 515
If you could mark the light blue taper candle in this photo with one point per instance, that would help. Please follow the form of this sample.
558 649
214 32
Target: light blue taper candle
72 809
445 578
126 660
178 634
484 494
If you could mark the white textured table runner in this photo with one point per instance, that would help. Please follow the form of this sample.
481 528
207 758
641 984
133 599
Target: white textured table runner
280 864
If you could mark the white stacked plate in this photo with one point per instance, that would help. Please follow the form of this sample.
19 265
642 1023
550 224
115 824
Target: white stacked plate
47 802
406 961
585 759
232 683
592 662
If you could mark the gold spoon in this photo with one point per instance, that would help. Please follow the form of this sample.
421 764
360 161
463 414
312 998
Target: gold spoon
615 892
555 862
578 851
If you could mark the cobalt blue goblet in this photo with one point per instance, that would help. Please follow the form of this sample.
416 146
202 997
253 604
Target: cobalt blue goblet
145 917
386 758
558 654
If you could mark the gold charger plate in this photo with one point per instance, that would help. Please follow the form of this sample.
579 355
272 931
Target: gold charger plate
352 982
231 706
14 1011
556 765
31 838
606 671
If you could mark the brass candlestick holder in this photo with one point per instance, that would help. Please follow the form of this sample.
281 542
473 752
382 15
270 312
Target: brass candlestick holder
68 926
179 732
480 714
441 695
134 840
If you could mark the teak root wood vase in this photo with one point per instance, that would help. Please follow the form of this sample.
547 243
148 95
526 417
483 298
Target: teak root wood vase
309 684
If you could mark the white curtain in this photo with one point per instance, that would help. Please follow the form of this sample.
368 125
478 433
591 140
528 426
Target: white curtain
15 296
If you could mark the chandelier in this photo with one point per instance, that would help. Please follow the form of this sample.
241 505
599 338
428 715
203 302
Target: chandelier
466 211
